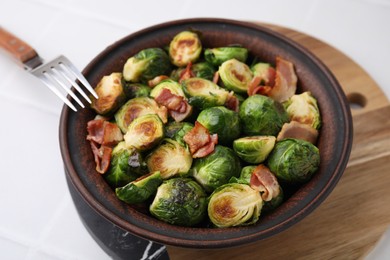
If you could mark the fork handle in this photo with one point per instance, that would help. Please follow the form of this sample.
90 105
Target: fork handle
16 47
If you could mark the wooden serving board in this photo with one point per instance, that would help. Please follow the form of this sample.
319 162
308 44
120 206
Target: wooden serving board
351 220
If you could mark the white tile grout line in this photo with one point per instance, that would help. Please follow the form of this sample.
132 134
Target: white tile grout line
37 244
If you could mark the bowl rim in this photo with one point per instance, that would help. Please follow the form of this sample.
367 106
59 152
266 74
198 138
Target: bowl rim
225 242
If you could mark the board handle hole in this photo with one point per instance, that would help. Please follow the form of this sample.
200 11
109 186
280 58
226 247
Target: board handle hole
356 100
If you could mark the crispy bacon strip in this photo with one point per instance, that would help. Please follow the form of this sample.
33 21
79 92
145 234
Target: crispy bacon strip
199 140
103 135
232 102
285 81
298 130
187 73
153 82
216 77
177 106
263 180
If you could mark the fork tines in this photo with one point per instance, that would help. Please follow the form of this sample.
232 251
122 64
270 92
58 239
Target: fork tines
60 72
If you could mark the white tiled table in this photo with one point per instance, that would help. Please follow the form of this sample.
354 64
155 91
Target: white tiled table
37 217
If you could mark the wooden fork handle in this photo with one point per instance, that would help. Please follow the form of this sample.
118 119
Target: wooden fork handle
16 47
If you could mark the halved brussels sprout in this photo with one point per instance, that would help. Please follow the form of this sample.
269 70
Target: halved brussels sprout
140 189
254 149
217 56
177 130
173 86
235 75
222 121
144 132
293 160
261 115
111 94
303 108
204 93
137 107
184 48
180 201
170 158
216 168
126 165
146 65
199 70
134 90
234 204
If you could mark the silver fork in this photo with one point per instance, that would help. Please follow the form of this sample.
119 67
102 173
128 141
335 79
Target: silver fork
57 74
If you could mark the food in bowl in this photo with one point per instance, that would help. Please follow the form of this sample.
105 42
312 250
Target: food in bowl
204 136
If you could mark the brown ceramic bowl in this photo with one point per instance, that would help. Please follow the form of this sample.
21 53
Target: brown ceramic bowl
334 142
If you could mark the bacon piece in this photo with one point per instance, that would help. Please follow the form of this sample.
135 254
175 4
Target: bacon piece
103 132
103 135
177 106
216 77
187 73
232 102
199 140
298 130
263 180
153 82
285 81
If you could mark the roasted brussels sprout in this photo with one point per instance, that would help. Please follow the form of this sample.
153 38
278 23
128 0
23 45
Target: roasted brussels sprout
173 86
144 132
261 115
134 90
146 65
137 107
216 168
217 56
303 108
204 93
293 160
126 165
184 48
254 149
235 75
140 189
222 121
234 204
180 201
170 158
199 70
111 94
177 130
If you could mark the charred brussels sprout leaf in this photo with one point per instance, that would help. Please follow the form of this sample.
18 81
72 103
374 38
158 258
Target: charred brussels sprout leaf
111 94
170 158
254 149
140 189
222 121
146 65
204 93
180 201
217 56
293 160
235 75
234 204
216 168
126 165
184 48
261 115
303 108
144 132
177 130
137 107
